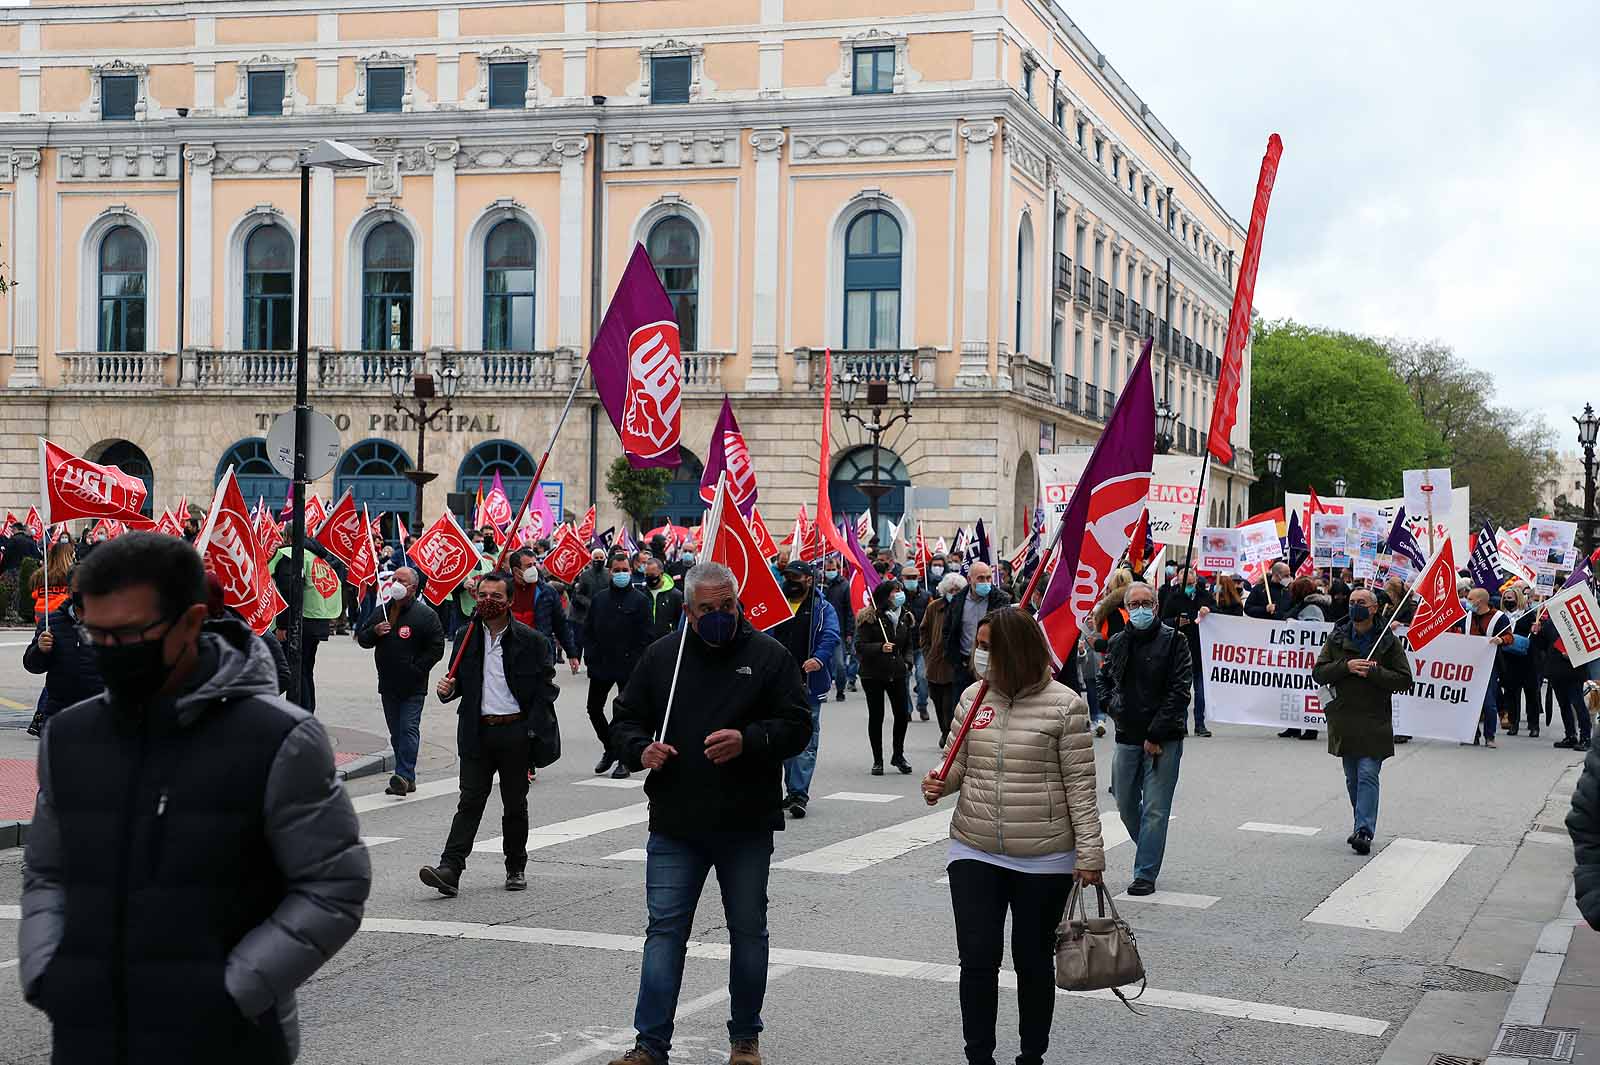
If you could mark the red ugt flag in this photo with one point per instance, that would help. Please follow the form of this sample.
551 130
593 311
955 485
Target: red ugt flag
445 556
735 547
567 557
1438 608
342 533
638 367
229 547
758 529
35 524
74 487
586 527
1226 411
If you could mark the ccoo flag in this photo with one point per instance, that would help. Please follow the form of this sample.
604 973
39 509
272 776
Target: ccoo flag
1483 565
638 367
1105 508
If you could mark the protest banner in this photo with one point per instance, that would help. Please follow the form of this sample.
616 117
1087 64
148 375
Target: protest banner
1260 673
1576 615
1457 526
1170 506
1546 548
1260 542
1221 551
1328 541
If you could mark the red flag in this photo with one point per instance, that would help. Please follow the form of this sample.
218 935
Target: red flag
1438 607
1225 411
758 529
1140 544
229 547
1316 504
35 524
74 487
586 527
924 558
11 519
497 510
567 557
477 510
364 565
734 546
266 529
169 524
343 533
445 556
824 503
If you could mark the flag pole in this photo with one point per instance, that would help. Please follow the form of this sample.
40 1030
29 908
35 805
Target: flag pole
1194 522
710 547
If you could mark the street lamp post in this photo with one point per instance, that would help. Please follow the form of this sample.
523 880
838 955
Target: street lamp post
1588 426
1274 469
877 398
1339 486
1166 420
422 390
327 155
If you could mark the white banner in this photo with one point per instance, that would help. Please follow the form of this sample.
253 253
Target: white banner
1221 551
1427 492
1455 526
1171 505
1259 673
1577 618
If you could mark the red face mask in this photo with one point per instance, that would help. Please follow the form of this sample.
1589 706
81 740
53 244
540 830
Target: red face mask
489 609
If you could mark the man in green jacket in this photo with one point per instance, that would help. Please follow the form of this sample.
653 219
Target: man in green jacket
1365 664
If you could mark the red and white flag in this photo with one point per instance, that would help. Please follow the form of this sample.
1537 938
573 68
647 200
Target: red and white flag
229 547
497 509
586 527
169 524
568 555
343 533
864 528
445 556
363 569
35 524
733 545
1438 606
74 487
924 559
758 529
316 514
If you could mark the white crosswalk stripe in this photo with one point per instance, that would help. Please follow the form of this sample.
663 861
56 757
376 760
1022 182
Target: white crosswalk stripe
574 829
1282 830
383 801
633 854
860 852
1390 891
861 796
1173 898
378 841
625 783
10 913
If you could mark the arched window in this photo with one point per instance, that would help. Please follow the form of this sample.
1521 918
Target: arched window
854 469
374 470
684 505
674 246
269 290
872 282
253 469
122 291
1024 332
511 461
386 288
508 287
131 459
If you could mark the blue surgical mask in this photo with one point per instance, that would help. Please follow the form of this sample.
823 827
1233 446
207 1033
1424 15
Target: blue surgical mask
622 579
687 558
898 599
1188 589
1142 617
937 571
982 589
831 574
717 627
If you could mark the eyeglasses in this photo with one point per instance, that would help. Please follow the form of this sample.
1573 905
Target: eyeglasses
123 637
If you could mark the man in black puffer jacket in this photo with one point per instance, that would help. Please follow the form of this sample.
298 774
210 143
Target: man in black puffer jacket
616 633
716 792
192 858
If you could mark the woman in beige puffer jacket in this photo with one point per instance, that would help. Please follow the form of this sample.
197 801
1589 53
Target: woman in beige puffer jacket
1026 823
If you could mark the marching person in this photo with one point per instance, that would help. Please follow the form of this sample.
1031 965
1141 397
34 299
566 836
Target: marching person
1566 685
58 565
738 708
592 580
886 638
1013 846
1366 666
1520 665
666 601
837 589
1269 600
1187 602
1483 620
66 659
917 602
1144 687
537 604
941 672
811 635
322 603
966 610
1583 824
192 858
505 683
616 632
408 640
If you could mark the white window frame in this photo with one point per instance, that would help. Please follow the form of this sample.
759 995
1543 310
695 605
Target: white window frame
843 79
409 96
233 289
671 205
118 214
355 267
120 68
505 209
871 199
239 102
698 85
478 98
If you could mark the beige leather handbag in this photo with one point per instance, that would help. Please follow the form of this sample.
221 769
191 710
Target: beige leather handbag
1096 953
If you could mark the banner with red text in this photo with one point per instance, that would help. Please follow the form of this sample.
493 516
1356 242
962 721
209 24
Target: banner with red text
1171 505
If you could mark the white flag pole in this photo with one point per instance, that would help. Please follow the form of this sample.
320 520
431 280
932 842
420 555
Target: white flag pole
709 547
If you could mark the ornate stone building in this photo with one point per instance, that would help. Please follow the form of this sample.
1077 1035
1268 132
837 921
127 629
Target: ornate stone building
963 190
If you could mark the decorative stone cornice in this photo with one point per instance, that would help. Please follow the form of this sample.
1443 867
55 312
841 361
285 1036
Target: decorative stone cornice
979 132
832 145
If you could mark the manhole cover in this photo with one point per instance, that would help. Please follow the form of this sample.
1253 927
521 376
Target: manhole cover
1451 978
1524 1041
1453 1059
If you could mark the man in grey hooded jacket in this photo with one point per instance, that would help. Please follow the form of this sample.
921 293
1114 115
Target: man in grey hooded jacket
192 858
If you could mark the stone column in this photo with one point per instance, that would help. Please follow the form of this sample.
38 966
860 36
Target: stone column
569 314
444 154
321 237
763 376
974 369
25 251
199 158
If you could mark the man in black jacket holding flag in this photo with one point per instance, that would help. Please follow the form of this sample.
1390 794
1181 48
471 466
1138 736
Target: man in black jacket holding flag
715 733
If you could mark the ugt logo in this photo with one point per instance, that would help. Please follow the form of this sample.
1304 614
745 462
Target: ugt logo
650 424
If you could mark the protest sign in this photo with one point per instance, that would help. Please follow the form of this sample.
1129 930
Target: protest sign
1427 492
1576 615
1457 526
1548 543
1260 673
1260 542
1221 550
1328 541
1171 503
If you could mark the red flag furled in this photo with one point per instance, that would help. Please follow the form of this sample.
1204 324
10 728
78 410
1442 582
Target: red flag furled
445 556
924 559
343 534
586 527
729 452
11 519
638 368
1225 410
1438 607
824 503
169 524
477 510
35 524
363 568
734 546
567 557
1140 544
74 487
230 549
758 529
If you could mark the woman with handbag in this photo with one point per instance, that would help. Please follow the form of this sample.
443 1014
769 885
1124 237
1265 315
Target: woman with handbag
1025 825
886 645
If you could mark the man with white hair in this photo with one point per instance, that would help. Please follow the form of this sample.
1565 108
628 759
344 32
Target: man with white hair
712 711
407 640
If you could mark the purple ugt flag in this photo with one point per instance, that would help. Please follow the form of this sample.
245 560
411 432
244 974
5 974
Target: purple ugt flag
1404 543
1483 565
728 451
638 366
858 555
983 545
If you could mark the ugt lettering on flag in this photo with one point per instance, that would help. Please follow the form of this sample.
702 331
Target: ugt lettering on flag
638 367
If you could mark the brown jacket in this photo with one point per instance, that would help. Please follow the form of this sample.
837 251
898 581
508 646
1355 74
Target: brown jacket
1026 779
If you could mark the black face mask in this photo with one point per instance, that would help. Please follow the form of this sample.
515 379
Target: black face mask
133 672
654 581
1360 612
794 589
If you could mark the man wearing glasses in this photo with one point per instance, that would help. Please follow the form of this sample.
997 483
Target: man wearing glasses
192 859
505 682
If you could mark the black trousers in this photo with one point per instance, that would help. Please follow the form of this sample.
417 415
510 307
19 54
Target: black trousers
944 706
1519 692
307 688
899 702
502 749
981 894
598 690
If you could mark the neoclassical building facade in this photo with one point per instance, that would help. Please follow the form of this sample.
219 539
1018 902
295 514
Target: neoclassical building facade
962 190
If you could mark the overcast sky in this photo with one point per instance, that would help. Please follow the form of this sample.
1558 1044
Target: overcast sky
1438 173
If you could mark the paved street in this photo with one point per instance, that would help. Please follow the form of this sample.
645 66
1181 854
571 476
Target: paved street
1270 941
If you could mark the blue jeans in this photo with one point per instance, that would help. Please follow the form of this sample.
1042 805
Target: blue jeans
1199 694
1092 695
674 875
403 713
797 771
921 688
1361 778
1491 706
1144 785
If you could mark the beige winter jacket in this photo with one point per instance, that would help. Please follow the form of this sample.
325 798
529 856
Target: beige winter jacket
1026 777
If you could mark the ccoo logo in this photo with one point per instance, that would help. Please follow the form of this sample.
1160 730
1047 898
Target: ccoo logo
650 424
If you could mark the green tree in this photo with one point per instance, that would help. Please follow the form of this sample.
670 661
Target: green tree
1331 405
637 493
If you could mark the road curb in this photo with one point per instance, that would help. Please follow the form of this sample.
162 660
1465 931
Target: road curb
13 834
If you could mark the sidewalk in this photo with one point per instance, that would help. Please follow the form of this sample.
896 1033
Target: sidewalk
1577 992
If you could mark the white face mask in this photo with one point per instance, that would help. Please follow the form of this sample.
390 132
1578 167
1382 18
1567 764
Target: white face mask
980 661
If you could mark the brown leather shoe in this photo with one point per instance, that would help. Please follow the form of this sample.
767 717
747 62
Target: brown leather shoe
745 1052
637 1056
